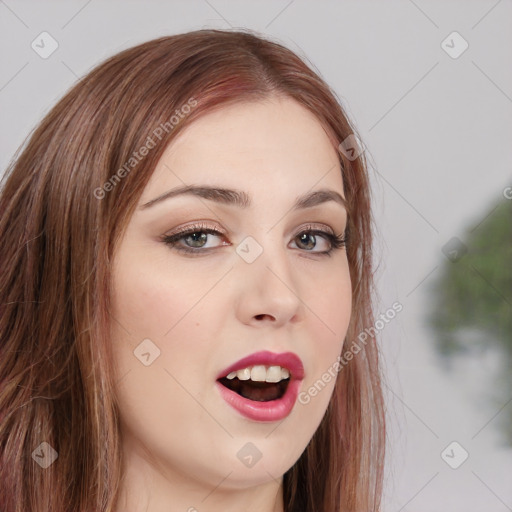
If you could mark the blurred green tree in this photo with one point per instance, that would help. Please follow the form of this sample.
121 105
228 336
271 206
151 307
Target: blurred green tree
471 301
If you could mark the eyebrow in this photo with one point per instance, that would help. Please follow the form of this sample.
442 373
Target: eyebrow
242 200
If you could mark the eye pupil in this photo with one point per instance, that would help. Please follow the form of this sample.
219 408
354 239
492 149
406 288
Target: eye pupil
311 237
194 236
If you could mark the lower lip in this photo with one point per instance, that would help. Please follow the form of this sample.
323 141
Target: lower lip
273 410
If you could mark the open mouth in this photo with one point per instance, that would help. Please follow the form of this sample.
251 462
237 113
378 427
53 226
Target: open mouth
257 391
262 386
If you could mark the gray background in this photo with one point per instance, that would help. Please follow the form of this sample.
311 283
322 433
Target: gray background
437 132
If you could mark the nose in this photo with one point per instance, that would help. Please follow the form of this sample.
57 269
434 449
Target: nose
268 292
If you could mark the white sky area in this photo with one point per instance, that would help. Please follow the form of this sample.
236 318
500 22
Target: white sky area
437 128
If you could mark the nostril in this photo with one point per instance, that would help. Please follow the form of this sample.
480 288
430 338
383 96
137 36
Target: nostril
262 316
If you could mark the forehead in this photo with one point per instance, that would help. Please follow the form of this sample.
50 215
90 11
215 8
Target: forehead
252 145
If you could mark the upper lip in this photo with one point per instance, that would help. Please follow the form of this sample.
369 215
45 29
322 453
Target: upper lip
287 360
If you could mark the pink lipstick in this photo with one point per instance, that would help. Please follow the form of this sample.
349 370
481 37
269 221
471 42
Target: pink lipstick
271 395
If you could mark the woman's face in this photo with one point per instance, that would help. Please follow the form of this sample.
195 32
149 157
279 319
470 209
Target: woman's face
183 314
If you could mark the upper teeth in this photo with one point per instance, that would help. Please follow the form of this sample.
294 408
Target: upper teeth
260 373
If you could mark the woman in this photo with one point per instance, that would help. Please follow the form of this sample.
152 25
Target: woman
186 260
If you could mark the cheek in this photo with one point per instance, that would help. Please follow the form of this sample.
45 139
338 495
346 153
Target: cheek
335 305
150 298
150 309
330 310
158 349
176 309
329 305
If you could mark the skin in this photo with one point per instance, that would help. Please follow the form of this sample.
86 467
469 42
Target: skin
180 438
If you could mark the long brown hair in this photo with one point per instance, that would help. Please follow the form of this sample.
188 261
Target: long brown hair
64 205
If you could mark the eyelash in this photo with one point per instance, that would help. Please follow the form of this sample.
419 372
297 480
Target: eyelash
336 241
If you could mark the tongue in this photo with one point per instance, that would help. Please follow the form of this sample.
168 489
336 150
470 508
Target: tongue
259 391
